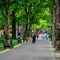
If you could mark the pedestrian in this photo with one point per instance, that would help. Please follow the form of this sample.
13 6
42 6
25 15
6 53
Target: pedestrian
37 35
46 37
27 39
34 38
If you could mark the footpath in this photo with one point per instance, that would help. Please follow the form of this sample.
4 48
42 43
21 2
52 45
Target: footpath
41 50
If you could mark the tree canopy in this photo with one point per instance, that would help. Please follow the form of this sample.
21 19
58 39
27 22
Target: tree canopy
31 13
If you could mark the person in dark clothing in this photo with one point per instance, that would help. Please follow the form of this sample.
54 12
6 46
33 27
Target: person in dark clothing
34 38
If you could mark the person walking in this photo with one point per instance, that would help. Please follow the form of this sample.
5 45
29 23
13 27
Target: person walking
27 40
34 38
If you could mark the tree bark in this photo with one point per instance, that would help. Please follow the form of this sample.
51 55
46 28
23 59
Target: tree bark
53 22
7 20
13 25
27 30
57 27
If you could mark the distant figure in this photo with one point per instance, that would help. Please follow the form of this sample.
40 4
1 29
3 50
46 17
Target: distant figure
40 36
34 38
27 40
46 37
37 35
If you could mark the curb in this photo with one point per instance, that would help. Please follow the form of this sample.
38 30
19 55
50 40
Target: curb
4 51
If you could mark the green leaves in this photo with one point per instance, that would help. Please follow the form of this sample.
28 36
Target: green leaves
38 10
21 16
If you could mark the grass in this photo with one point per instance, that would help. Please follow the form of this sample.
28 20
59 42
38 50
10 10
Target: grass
15 42
1 47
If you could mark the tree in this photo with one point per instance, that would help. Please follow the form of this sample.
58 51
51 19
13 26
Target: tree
13 16
5 11
53 22
57 26
27 8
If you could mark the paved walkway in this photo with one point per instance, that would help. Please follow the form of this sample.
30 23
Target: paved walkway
39 51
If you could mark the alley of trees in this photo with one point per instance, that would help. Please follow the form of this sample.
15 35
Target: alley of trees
30 15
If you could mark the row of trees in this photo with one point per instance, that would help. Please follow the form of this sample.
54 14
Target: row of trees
26 12
31 14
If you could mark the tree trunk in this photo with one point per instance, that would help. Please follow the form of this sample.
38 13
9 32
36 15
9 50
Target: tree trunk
53 22
13 25
18 28
7 21
27 18
57 28
27 30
